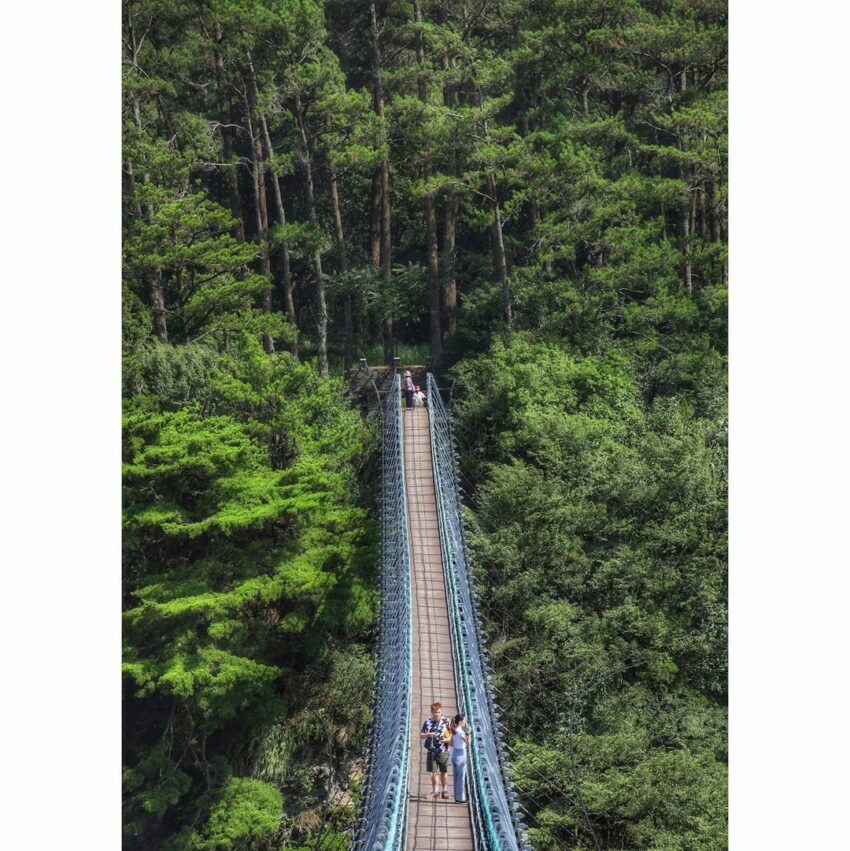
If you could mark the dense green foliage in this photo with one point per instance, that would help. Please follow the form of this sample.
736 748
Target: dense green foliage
534 192
571 153
599 531
247 571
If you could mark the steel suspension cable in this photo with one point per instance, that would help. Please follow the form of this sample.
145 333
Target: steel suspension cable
384 807
496 812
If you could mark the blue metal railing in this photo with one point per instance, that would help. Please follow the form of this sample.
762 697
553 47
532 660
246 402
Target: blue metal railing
496 815
384 811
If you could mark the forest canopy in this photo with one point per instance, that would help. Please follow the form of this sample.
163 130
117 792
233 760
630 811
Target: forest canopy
533 194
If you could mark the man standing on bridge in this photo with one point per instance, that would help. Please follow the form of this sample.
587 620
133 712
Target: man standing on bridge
434 731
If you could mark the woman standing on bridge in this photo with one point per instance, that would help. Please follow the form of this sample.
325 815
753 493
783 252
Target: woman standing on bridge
460 743
409 388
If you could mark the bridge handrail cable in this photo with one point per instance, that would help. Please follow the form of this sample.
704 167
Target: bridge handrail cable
496 814
384 807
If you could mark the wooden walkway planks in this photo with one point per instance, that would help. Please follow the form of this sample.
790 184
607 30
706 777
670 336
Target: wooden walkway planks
431 825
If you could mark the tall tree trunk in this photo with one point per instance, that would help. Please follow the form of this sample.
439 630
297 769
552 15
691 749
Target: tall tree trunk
452 207
384 169
321 303
339 235
342 264
500 260
260 209
348 346
286 270
449 237
182 286
499 256
713 214
231 179
377 184
496 236
157 296
419 44
685 223
534 226
386 232
693 212
679 80
435 335
532 99
131 179
703 215
685 214
685 228
156 289
375 220
692 229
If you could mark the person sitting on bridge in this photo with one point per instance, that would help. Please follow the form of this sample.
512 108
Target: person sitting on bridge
434 731
418 397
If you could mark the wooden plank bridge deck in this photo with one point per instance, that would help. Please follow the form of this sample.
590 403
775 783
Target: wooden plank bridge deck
432 824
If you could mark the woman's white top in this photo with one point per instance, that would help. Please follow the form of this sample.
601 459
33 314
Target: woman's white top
457 740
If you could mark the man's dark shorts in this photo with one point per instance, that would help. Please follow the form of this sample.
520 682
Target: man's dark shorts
441 760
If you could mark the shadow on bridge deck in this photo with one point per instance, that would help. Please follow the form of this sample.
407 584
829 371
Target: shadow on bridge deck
433 825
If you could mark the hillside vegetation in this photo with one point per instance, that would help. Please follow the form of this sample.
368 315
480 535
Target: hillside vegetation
532 193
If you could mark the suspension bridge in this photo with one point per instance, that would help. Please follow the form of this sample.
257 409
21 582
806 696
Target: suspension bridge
430 648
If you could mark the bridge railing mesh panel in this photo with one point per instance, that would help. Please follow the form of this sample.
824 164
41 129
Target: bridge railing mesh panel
496 814
383 816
